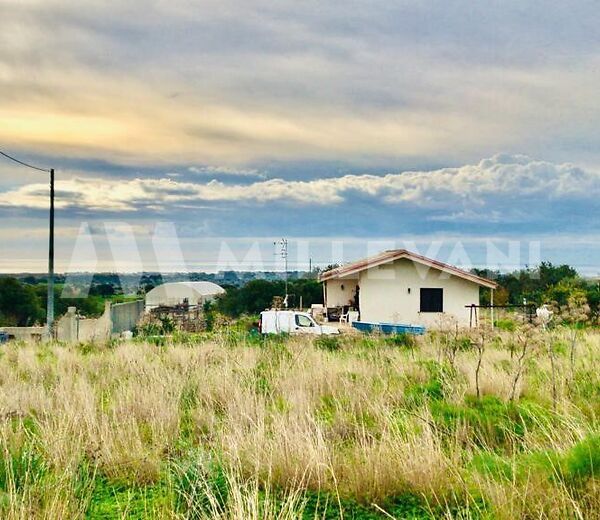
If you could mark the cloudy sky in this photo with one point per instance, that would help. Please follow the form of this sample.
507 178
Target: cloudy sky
452 127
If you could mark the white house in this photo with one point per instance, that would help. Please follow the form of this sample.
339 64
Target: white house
399 286
193 293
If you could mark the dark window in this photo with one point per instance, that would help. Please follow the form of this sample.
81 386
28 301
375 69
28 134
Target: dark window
432 300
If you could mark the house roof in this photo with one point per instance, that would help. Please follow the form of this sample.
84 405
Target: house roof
397 254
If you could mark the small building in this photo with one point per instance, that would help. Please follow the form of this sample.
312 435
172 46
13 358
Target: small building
399 286
182 293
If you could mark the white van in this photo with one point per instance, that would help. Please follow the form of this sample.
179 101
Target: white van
292 322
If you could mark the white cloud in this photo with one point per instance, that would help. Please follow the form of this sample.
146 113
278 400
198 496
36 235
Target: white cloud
458 190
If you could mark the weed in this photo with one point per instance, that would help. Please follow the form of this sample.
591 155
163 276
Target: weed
329 343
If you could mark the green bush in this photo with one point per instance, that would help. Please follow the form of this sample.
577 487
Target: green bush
575 467
583 460
418 394
329 343
403 340
506 324
494 423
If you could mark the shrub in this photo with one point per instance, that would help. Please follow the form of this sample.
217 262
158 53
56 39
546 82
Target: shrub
329 343
404 340
583 460
506 324
418 394
493 423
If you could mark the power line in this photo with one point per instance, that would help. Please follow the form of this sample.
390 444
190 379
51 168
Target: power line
50 303
24 163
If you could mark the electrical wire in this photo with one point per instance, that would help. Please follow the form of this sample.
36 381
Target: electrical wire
24 163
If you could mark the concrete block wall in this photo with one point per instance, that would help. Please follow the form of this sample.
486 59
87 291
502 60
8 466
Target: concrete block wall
116 318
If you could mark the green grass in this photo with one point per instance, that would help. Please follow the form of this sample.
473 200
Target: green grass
117 500
237 425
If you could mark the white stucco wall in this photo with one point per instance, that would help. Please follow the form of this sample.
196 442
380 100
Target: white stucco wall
384 295
336 295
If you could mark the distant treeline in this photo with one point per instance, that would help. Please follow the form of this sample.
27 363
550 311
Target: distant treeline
23 302
257 295
546 283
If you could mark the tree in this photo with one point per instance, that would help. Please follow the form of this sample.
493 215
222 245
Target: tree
551 275
103 289
92 306
564 290
19 304
529 284
257 295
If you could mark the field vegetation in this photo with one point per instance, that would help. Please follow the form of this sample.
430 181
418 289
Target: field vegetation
455 424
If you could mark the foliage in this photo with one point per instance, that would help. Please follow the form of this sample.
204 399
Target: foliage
91 306
118 500
329 343
257 295
574 467
19 304
543 284
403 340
159 327
506 324
201 485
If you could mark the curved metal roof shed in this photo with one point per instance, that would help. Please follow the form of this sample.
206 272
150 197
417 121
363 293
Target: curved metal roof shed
176 293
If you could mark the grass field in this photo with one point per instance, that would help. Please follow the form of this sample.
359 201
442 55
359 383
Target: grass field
230 425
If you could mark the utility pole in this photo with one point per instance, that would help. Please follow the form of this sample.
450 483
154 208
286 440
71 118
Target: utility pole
50 307
50 304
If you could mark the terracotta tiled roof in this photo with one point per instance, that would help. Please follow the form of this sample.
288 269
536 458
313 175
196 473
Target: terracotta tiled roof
397 254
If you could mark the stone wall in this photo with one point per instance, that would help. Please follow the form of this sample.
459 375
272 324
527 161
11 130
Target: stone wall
116 319
125 316
26 333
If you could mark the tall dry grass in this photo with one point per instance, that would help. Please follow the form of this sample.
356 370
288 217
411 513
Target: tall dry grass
279 422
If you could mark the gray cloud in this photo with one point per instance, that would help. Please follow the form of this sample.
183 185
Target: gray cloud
116 94
230 82
463 191
226 171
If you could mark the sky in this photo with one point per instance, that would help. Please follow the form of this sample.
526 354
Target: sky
195 134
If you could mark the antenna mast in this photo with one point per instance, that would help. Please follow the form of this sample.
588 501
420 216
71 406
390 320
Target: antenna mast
283 253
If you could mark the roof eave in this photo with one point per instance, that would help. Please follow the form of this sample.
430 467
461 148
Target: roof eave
362 266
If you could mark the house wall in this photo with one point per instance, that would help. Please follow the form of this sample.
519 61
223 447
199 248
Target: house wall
336 296
384 295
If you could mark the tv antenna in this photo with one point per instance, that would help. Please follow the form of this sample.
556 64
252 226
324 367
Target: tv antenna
283 253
